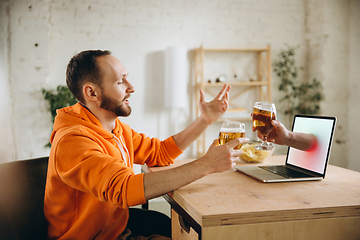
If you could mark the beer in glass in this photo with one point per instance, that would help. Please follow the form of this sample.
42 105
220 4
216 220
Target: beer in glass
263 114
231 130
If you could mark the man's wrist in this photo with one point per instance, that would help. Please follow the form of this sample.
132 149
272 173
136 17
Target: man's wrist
205 120
289 139
202 167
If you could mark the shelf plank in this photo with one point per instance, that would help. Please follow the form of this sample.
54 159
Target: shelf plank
253 83
235 49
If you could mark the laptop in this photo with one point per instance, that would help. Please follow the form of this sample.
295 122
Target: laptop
300 165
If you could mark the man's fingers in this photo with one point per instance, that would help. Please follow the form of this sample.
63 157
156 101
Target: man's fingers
223 91
226 102
233 165
227 96
202 96
237 141
215 143
236 153
227 92
260 135
275 123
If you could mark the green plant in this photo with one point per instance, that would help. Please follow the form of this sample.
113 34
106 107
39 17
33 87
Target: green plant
58 98
301 97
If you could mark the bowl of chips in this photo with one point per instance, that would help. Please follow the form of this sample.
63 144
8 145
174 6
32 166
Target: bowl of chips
252 155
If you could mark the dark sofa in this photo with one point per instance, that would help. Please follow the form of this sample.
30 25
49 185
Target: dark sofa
22 188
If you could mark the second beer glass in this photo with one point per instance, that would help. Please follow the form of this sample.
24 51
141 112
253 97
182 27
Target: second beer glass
231 130
264 113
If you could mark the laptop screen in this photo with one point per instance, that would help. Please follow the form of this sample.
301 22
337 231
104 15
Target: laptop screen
316 159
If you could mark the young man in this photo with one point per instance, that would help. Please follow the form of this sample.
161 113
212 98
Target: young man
90 183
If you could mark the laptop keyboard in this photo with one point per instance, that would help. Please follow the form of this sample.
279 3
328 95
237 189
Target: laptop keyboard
285 171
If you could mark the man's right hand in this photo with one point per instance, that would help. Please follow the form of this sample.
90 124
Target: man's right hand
220 158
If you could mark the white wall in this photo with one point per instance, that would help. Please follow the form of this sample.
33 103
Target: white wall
353 139
7 144
328 60
138 32
29 71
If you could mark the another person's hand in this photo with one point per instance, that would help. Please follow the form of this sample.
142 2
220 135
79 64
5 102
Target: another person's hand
278 135
213 110
281 136
220 158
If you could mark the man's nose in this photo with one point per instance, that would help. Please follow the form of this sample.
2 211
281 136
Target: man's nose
130 88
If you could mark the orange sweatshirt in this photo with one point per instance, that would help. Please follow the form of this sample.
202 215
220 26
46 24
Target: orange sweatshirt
90 181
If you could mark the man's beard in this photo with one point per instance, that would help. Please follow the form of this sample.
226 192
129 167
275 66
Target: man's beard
111 105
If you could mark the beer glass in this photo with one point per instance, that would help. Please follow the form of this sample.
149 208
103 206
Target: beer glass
263 114
231 130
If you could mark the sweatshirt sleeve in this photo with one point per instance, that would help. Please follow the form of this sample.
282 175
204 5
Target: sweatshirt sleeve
84 164
153 152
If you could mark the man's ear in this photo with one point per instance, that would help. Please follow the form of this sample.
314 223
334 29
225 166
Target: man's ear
91 92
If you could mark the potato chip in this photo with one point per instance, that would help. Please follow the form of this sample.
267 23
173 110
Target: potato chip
252 155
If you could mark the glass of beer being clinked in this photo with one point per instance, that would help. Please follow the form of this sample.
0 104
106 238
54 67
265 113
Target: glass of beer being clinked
263 114
231 130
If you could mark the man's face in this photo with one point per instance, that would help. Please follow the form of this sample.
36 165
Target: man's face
115 89
116 106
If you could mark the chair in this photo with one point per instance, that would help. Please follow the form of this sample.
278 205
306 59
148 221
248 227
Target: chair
22 188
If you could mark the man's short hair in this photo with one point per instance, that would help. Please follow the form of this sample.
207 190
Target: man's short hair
82 68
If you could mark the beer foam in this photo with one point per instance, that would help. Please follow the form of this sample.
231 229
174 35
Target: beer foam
232 130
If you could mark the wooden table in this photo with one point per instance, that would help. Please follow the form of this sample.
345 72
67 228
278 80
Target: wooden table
231 205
